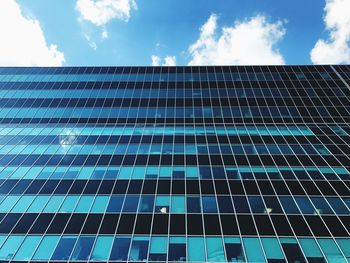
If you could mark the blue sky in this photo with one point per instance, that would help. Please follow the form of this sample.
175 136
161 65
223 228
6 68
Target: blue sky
182 32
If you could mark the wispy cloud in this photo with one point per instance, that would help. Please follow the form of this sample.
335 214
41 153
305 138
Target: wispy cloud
252 41
167 61
23 42
336 48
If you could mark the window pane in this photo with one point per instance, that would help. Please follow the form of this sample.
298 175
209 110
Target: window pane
38 204
130 204
115 203
178 204
64 248
120 248
139 249
234 250
158 250
209 204
177 249
345 247
162 204
193 204
46 248
215 249
83 248
146 204
102 248
100 204
331 251
272 248
54 204
84 204
10 246
311 249
195 247
253 250
69 204
27 248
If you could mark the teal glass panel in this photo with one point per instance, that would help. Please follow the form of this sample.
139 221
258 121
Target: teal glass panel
178 204
100 204
10 247
331 251
102 248
8 203
272 248
46 248
125 172
310 248
84 204
253 250
69 204
162 204
195 249
64 248
2 239
22 204
344 244
83 248
27 248
54 204
165 172
139 173
38 204
159 245
215 249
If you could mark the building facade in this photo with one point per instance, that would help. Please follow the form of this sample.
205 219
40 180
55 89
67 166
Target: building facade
169 164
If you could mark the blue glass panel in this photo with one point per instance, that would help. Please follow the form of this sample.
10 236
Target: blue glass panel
253 250
146 203
193 204
54 204
102 248
115 203
139 249
83 248
120 248
215 249
69 204
64 248
27 248
38 204
46 247
195 248
209 204
131 203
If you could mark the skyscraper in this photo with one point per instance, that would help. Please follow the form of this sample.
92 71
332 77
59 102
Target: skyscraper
197 164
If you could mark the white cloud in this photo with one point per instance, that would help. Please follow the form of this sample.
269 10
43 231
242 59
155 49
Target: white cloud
22 39
100 12
337 48
167 61
252 41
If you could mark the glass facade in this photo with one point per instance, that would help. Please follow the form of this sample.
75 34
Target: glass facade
169 164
